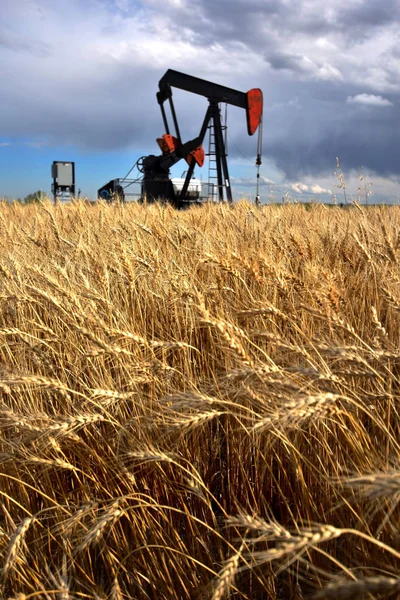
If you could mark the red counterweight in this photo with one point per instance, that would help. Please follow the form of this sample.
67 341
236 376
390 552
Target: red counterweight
198 155
254 109
167 143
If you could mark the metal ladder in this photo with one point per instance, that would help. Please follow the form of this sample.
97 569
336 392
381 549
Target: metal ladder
212 165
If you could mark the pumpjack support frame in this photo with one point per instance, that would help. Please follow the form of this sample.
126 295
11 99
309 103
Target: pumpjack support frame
156 182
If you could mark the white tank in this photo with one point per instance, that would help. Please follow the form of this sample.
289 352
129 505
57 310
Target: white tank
194 189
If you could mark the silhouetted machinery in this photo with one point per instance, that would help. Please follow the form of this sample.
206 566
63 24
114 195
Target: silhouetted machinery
63 174
156 182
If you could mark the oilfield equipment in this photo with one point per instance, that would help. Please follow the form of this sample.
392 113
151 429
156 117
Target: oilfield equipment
153 172
63 174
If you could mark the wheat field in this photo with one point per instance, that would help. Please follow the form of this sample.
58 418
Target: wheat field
200 404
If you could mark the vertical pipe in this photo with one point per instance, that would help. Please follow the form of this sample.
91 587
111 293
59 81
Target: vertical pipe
222 165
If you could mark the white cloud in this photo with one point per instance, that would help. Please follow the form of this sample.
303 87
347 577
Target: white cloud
317 189
299 187
250 181
293 103
327 72
266 180
369 100
5 144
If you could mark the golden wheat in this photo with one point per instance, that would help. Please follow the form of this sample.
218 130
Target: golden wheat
201 403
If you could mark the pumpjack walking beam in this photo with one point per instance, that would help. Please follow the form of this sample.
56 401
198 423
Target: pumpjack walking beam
212 91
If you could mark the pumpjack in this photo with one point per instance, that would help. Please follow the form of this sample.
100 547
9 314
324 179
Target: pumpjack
156 182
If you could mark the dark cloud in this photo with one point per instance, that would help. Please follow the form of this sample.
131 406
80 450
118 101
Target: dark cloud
370 14
86 73
18 43
267 21
111 113
291 62
362 138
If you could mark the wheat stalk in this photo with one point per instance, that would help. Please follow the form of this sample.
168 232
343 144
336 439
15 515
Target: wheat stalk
227 574
15 545
359 588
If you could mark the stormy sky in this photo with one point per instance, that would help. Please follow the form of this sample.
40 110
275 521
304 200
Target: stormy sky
79 80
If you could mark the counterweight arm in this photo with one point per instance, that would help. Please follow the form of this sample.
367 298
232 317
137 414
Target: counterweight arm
252 101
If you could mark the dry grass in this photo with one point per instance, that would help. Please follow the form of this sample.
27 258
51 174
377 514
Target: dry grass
199 404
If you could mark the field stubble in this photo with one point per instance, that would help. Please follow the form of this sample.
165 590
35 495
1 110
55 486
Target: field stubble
199 404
